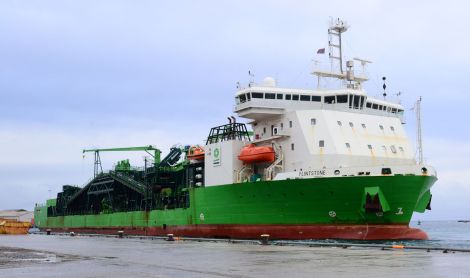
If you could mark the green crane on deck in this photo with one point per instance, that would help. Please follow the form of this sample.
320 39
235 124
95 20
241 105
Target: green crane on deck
99 168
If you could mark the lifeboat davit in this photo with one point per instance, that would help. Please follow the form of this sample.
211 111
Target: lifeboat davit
253 154
196 153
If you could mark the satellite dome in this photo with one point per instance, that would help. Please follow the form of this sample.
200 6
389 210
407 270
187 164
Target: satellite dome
269 82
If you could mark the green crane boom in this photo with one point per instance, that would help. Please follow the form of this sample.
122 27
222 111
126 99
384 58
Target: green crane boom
147 149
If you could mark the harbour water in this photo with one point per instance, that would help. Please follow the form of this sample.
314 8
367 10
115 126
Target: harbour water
81 256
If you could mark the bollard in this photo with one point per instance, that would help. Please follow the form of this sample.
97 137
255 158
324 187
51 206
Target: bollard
120 234
72 234
170 237
48 232
264 239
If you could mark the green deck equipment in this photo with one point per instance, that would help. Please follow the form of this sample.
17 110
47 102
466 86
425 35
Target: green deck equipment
99 169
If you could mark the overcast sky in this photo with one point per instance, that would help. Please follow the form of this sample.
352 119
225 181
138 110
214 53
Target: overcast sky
77 74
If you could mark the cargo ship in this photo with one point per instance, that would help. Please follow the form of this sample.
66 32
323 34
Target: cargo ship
307 164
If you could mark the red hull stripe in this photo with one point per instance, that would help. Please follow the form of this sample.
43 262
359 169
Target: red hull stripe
293 232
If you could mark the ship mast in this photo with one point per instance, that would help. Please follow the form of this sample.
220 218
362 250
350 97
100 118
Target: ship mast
419 137
335 31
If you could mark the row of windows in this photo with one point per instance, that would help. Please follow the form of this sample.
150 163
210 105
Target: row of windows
313 121
248 96
384 148
383 108
354 101
321 144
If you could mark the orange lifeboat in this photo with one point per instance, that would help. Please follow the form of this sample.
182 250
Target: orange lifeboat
253 154
196 153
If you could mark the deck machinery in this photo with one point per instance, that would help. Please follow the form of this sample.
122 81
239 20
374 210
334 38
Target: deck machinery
160 184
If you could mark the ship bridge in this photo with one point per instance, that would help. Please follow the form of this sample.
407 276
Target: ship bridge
259 103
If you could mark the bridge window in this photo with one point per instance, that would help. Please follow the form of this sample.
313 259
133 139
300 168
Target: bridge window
242 98
292 146
342 99
295 97
290 123
288 97
279 96
368 105
316 98
257 95
321 143
329 99
380 107
269 96
375 106
356 102
394 110
304 98
248 96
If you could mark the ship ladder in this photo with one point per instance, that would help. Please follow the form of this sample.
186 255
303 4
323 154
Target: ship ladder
277 164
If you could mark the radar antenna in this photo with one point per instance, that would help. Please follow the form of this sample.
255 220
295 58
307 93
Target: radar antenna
335 31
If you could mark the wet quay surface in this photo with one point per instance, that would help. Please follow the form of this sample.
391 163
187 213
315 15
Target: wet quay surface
81 256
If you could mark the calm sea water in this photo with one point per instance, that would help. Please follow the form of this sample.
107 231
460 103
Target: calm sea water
444 233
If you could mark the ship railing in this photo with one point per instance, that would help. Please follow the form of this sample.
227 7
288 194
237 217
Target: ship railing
245 168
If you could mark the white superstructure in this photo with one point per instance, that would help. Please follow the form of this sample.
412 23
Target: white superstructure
318 133
327 129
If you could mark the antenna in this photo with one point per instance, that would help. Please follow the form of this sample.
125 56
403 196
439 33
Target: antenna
363 62
334 41
419 137
398 96
252 77
335 30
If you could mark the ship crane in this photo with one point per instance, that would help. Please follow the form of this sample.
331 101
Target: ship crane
98 168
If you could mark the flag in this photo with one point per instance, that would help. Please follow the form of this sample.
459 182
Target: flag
321 51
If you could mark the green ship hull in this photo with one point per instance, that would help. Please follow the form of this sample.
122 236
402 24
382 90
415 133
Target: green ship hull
330 207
